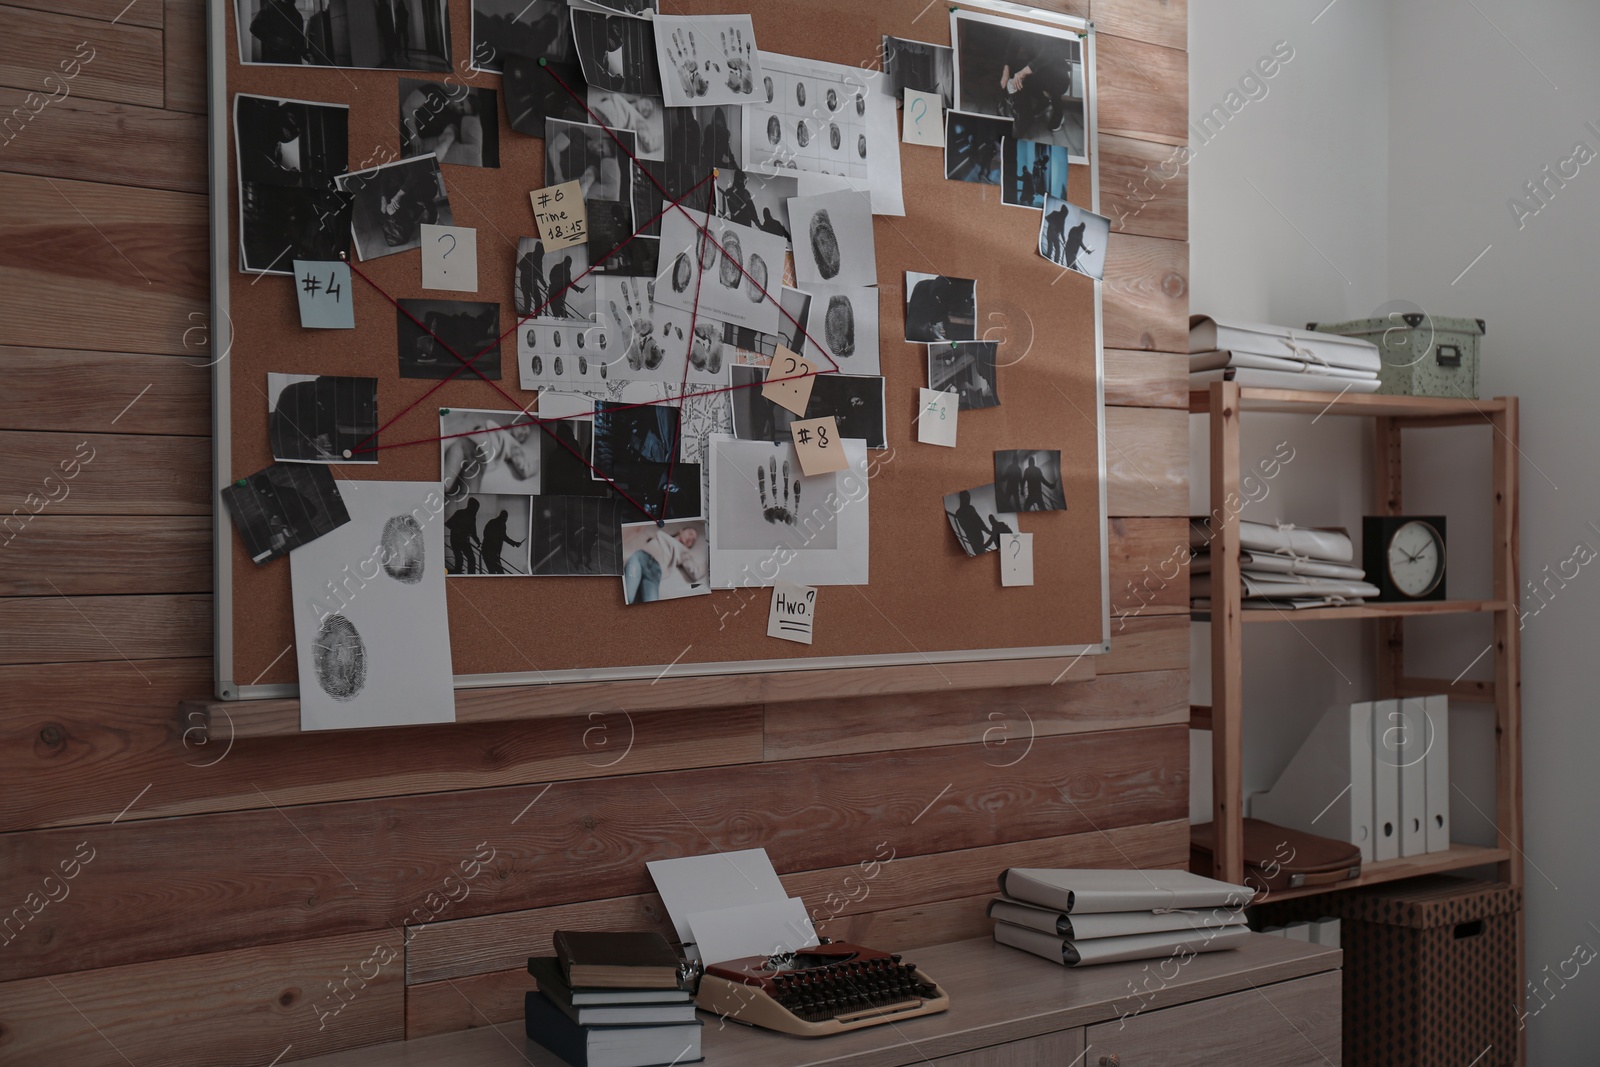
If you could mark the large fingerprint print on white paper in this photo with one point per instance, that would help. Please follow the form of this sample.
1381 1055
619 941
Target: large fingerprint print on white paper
340 658
402 550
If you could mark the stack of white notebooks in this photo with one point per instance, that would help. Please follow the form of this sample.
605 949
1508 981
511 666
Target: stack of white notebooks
1277 357
1283 566
1083 917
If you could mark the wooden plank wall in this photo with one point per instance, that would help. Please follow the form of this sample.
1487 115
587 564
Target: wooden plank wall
164 902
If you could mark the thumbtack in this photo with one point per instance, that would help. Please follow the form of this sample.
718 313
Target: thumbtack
543 62
444 411
347 453
241 483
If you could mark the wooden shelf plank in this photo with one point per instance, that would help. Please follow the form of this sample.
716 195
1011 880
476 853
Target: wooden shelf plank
1455 858
1300 401
1375 611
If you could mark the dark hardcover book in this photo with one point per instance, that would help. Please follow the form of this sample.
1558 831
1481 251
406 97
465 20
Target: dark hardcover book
609 1046
613 960
591 1007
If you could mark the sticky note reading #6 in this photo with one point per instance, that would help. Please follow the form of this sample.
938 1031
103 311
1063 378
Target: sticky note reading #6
562 217
793 613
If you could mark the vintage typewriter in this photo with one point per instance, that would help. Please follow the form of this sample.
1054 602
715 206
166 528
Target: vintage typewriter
824 989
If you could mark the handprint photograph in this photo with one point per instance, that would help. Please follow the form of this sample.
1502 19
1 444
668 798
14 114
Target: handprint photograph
707 59
664 562
553 285
976 520
390 203
617 53
488 452
769 521
1025 72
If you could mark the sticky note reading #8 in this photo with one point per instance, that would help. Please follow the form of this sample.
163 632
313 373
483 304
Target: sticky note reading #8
936 417
323 289
789 381
816 442
1016 559
563 220
793 613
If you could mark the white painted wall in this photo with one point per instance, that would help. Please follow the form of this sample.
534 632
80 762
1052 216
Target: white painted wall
1383 156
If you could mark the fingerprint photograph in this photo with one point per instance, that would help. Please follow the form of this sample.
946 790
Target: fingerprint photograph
722 270
371 628
707 59
842 329
833 239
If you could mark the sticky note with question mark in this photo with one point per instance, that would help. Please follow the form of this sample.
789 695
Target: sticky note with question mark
924 119
450 258
1016 559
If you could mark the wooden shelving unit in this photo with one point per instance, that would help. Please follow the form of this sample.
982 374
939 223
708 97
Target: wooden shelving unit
1226 403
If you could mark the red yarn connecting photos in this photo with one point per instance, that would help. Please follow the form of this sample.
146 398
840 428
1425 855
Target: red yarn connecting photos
658 516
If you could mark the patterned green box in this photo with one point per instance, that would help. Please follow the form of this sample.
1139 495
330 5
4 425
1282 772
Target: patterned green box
1422 355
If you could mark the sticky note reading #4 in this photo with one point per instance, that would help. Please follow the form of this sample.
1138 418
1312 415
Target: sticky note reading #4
924 119
793 613
936 417
323 289
816 442
562 218
450 258
1016 559
789 381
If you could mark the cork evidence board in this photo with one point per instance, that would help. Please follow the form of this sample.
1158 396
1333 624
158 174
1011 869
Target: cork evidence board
926 602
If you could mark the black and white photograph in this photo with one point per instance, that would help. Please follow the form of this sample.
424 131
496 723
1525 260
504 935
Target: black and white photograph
389 205
452 333
633 433
1074 238
487 534
699 141
968 369
533 29
707 59
559 355
577 535
721 270
321 418
855 401
644 116
1031 171
564 458
927 68
764 508
665 562
757 200
638 8
374 651
585 153
754 349
459 125
940 308
533 94
629 305
674 487
842 332
1022 71
488 452
289 153
1029 480
826 118
972 147
977 521
284 506
553 285
617 53
833 241
685 337
368 34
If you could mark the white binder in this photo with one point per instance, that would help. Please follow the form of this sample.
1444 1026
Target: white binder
1413 743
1387 730
1327 787
1436 773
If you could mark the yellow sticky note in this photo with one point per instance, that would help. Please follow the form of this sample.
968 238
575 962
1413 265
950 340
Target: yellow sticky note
1016 559
562 218
816 442
789 381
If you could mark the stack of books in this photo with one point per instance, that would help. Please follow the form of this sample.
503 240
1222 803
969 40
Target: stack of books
1277 357
1283 566
1083 917
612 1000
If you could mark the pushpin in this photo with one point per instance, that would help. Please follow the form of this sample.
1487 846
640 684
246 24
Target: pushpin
543 62
241 483
444 411
347 453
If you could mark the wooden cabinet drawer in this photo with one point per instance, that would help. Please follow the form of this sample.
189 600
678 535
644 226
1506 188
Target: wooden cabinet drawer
1048 1050
1290 1024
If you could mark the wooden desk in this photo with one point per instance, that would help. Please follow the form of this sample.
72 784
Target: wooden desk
1272 1003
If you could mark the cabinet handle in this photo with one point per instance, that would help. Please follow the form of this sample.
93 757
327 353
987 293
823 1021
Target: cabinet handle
1113 1060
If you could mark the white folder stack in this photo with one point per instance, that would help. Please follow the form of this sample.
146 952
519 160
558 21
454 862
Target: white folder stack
1081 917
1376 774
1284 566
1277 357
